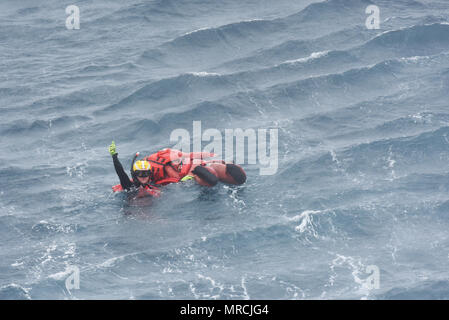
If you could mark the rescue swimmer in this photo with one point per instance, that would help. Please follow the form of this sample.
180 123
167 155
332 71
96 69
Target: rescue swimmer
172 166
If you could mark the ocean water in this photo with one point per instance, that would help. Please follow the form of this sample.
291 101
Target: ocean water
357 209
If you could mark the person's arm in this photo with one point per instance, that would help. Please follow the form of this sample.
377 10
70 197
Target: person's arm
172 173
124 179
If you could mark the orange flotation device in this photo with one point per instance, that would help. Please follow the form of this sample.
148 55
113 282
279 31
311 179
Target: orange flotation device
163 158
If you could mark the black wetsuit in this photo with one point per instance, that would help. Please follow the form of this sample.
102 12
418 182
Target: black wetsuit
126 183
131 186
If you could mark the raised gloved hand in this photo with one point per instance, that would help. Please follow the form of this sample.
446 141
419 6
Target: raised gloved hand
112 149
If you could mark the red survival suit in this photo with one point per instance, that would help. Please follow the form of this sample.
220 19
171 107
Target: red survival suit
170 165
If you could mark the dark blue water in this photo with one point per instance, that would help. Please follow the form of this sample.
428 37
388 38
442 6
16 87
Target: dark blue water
363 172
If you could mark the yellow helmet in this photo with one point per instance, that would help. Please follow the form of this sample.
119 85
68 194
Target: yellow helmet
142 168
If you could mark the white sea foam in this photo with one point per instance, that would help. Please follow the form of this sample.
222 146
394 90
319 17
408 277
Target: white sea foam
313 56
306 219
204 74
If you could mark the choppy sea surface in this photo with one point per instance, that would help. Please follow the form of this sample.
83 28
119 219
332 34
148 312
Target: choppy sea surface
357 209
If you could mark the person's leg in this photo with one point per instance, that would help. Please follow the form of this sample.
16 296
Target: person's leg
205 176
229 173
